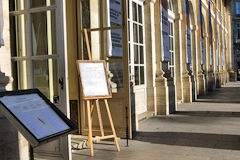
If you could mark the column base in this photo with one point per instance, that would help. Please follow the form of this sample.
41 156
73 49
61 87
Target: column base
232 76
222 78
218 80
201 84
211 82
194 88
187 89
172 96
162 97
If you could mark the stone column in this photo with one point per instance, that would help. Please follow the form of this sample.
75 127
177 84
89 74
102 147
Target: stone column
160 88
231 74
200 76
186 74
218 75
209 67
194 62
151 52
13 145
178 55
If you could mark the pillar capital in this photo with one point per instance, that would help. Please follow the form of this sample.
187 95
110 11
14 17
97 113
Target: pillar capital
194 27
179 16
205 35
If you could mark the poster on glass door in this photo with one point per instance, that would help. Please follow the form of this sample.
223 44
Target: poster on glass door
114 18
165 31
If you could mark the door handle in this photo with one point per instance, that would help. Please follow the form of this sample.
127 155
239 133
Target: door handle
60 81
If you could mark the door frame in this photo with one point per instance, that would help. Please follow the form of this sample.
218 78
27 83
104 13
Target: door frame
131 49
64 143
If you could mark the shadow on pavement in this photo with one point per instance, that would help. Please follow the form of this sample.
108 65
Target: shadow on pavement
223 95
208 113
203 140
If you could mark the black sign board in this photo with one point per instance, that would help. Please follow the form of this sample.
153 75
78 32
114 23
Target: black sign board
38 119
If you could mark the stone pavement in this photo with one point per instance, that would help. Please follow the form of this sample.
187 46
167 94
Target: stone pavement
208 129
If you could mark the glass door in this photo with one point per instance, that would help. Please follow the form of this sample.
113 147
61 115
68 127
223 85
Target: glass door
37 55
137 54
107 33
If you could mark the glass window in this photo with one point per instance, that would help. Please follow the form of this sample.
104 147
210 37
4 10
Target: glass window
171 49
170 5
41 3
136 42
103 19
238 8
238 31
44 33
31 40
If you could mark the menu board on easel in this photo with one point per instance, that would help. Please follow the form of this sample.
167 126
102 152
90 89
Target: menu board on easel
93 78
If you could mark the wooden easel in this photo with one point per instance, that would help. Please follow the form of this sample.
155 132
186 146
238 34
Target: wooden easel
90 107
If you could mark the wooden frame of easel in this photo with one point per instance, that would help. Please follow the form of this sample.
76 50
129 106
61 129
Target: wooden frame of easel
90 107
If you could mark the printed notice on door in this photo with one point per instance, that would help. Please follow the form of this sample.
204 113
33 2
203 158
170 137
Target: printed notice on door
93 79
35 114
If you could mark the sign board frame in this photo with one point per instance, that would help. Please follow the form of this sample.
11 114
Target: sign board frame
109 95
32 139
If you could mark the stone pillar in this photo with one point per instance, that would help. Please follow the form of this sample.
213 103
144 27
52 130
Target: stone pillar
160 88
186 74
194 62
231 74
199 75
178 55
218 75
209 67
151 52
13 145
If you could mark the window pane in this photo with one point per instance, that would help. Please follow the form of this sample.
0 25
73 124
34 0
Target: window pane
142 74
85 13
45 75
44 33
113 46
129 53
139 14
15 5
128 6
116 77
41 3
141 34
113 11
136 75
21 74
141 55
136 58
135 33
171 44
237 8
134 11
17 36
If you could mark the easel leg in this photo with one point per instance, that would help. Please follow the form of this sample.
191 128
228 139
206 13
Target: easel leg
92 107
100 118
89 127
112 126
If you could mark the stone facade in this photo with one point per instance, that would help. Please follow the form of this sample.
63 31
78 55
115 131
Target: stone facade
163 91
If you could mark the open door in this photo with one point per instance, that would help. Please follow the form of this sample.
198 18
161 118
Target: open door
38 58
107 32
